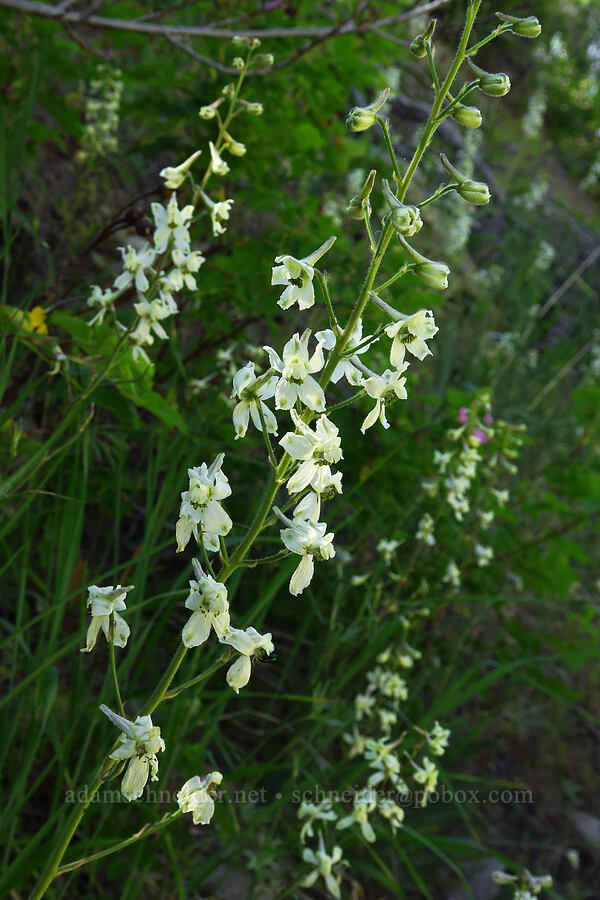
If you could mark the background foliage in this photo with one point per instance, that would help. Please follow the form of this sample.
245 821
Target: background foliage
90 492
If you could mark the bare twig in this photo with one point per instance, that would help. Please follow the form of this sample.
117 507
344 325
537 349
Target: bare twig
61 13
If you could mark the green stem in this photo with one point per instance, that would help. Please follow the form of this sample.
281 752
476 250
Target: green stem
265 431
146 831
385 125
188 684
113 666
322 279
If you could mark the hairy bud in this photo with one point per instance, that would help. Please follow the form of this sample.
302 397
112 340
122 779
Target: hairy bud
362 117
494 85
467 116
357 207
419 44
405 219
529 27
472 191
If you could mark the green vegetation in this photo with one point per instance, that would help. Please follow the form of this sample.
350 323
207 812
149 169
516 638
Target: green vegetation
447 654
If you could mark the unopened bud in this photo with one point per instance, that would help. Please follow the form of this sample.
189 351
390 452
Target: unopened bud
255 109
473 191
419 44
357 206
529 27
467 116
405 219
234 147
494 85
207 112
434 274
262 60
362 117
238 63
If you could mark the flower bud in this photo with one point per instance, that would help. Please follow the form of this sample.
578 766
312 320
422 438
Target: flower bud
234 147
262 60
238 63
405 219
434 274
473 191
418 46
357 205
467 116
255 109
494 85
528 27
207 112
362 117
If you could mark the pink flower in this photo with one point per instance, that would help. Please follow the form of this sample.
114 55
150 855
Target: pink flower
478 433
462 415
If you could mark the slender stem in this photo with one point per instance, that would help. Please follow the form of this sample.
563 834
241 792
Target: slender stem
113 666
401 271
265 431
385 125
445 189
322 279
501 29
368 226
223 550
164 683
275 557
343 403
205 558
144 832
188 684
432 68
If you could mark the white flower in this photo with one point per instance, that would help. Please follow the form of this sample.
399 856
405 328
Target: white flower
139 742
208 600
151 314
314 448
486 517
484 555
346 367
325 484
387 548
134 264
382 758
219 213
252 392
501 497
297 275
314 812
201 507
185 266
437 739
441 460
103 602
248 643
172 225
452 574
410 333
377 387
102 299
363 705
427 775
174 176
196 798
324 867
365 802
425 530
392 812
308 539
217 163
296 370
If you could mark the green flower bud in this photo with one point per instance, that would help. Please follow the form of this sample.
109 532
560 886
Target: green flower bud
255 109
474 192
418 46
362 117
238 63
405 219
434 274
494 85
467 116
528 27
262 60
357 205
